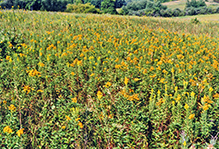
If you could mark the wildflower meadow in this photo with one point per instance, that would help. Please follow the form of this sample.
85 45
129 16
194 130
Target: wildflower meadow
107 81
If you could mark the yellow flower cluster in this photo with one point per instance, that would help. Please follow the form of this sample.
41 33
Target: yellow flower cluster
7 129
129 97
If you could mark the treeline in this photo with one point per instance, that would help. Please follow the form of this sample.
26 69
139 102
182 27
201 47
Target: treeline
49 5
106 6
122 7
150 8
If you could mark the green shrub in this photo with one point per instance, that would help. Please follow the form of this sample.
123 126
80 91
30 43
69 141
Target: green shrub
82 8
195 21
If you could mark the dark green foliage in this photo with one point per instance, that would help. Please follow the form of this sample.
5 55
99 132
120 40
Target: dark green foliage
82 8
48 5
195 21
120 3
144 7
96 3
53 5
176 12
108 6
195 4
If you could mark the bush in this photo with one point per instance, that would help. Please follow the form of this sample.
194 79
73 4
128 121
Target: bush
190 11
167 13
195 21
176 12
195 4
82 8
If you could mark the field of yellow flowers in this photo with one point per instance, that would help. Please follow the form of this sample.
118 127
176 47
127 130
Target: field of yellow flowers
102 81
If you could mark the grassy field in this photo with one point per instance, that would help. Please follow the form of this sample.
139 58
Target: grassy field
182 3
104 81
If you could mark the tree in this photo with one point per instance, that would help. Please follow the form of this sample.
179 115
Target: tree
108 6
119 3
96 3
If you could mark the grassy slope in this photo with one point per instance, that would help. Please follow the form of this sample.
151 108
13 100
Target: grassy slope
182 3
202 18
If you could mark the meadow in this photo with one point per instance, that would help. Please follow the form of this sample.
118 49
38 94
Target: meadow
107 81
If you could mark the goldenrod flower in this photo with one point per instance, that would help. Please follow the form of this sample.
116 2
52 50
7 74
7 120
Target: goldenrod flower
191 116
92 74
68 118
186 106
7 57
126 80
192 94
12 107
184 143
205 107
136 79
210 89
77 119
7 129
80 124
74 100
41 64
20 132
99 94
108 84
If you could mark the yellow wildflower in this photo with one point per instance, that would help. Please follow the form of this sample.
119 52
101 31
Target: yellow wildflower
20 132
126 80
41 64
80 124
63 127
92 74
186 106
12 107
184 143
205 107
192 94
77 119
7 129
210 89
68 118
191 116
74 100
108 84
99 94
136 79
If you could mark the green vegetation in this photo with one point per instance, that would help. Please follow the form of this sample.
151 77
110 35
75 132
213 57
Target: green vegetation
82 8
107 81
